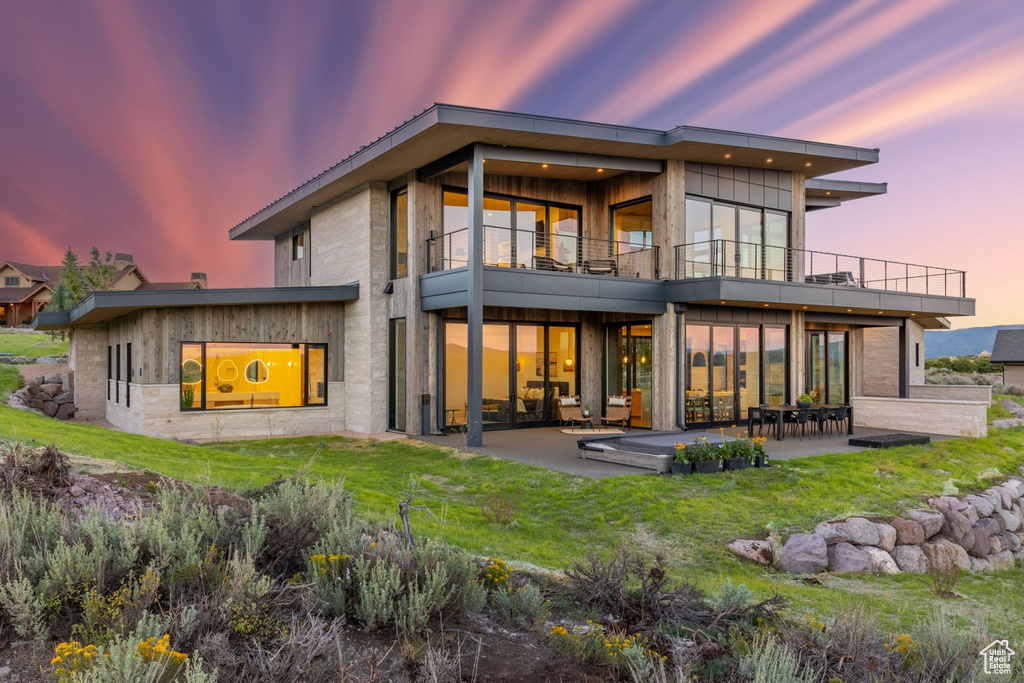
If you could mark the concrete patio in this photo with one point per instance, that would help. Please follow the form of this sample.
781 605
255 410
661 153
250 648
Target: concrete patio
549 447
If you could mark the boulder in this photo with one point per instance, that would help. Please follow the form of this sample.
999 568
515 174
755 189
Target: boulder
1008 541
832 532
845 557
1002 560
995 544
50 390
68 382
804 554
943 554
50 409
956 527
860 531
53 378
758 552
980 565
991 525
881 561
930 520
971 513
983 505
886 536
1011 520
994 498
61 399
1005 499
981 547
908 532
65 412
910 558
1015 487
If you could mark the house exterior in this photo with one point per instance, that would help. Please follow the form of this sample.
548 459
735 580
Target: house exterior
1009 350
27 288
469 267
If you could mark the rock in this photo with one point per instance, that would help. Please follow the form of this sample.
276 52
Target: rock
832 532
984 506
758 552
65 412
5 671
971 513
908 532
1008 541
76 491
844 557
61 399
886 536
930 520
50 390
1005 499
1016 487
943 555
804 554
881 561
910 558
980 565
50 409
1002 560
995 544
957 527
1011 520
52 378
860 531
68 382
981 547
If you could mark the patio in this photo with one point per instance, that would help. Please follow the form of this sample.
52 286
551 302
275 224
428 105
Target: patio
549 447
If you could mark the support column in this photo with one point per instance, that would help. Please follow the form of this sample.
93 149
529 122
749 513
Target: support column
797 357
475 300
904 364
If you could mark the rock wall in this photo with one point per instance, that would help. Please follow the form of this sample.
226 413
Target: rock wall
52 395
978 532
1017 410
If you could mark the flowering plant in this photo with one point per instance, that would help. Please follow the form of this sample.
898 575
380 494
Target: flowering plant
699 451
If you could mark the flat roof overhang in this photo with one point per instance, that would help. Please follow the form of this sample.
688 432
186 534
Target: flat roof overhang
823 193
522 288
800 296
444 129
101 307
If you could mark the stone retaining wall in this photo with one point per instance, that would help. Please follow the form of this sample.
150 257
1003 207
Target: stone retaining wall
928 415
978 532
52 395
952 392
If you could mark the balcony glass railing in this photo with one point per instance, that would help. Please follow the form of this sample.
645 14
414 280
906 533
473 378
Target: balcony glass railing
557 252
765 262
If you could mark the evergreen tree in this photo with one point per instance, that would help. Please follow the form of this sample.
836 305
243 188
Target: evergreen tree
100 272
60 300
72 279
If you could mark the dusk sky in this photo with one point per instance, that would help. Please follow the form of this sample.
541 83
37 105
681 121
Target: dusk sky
153 127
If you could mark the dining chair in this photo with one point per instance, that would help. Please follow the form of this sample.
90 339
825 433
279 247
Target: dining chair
820 417
799 420
839 415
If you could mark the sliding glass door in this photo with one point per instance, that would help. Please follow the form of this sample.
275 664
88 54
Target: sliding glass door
629 369
826 367
525 368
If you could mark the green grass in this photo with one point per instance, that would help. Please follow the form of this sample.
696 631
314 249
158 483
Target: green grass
996 411
10 380
31 344
562 517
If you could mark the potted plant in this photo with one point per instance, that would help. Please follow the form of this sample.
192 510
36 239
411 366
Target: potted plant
737 454
760 454
586 410
804 401
706 457
682 464
188 396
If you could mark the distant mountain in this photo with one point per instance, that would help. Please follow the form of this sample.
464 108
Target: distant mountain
966 342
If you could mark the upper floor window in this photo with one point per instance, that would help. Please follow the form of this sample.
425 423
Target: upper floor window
736 240
399 233
298 246
631 226
12 281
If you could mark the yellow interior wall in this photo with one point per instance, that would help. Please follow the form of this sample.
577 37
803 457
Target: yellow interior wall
282 379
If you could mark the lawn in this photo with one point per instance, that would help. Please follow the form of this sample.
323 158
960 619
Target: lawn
560 517
31 344
996 411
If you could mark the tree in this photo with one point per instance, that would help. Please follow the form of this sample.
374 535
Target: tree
100 272
72 279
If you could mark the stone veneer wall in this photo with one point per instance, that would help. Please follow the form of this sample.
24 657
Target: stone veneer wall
87 357
928 415
953 392
979 532
155 411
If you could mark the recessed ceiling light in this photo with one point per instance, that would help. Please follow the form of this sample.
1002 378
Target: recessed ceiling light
879 313
808 164
766 305
805 307
829 192
912 315
543 165
768 161
721 302
849 310
728 156
485 161
600 170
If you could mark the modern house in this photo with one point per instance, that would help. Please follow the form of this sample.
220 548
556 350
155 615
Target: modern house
1009 350
27 288
470 266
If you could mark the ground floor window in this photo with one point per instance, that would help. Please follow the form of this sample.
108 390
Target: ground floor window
826 367
526 366
396 375
629 368
730 368
221 375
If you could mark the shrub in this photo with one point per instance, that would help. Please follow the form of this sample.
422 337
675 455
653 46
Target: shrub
770 661
499 507
25 609
521 607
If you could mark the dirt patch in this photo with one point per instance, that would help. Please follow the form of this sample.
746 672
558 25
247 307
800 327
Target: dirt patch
30 372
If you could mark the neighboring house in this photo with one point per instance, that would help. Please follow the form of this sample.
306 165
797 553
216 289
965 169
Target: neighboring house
1009 351
27 288
470 266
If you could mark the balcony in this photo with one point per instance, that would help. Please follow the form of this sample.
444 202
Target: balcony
725 258
550 252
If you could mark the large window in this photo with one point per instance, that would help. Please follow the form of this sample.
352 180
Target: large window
735 241
399 233
298 246
219 375
631 226
518 233
396 375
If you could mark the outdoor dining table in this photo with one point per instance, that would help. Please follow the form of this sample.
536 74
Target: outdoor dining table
780 411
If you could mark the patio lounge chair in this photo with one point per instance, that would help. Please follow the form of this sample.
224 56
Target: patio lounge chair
617 411
548 263
570 411
601 267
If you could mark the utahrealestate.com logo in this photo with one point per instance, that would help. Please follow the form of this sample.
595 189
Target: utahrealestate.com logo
997 657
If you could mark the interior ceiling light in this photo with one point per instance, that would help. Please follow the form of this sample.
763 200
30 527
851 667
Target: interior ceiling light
600 170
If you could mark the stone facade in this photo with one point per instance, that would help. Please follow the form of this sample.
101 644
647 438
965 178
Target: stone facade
88 360
931 416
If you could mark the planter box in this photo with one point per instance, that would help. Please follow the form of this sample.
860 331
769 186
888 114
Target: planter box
707 467
737 463
761 461
682 467
802 405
